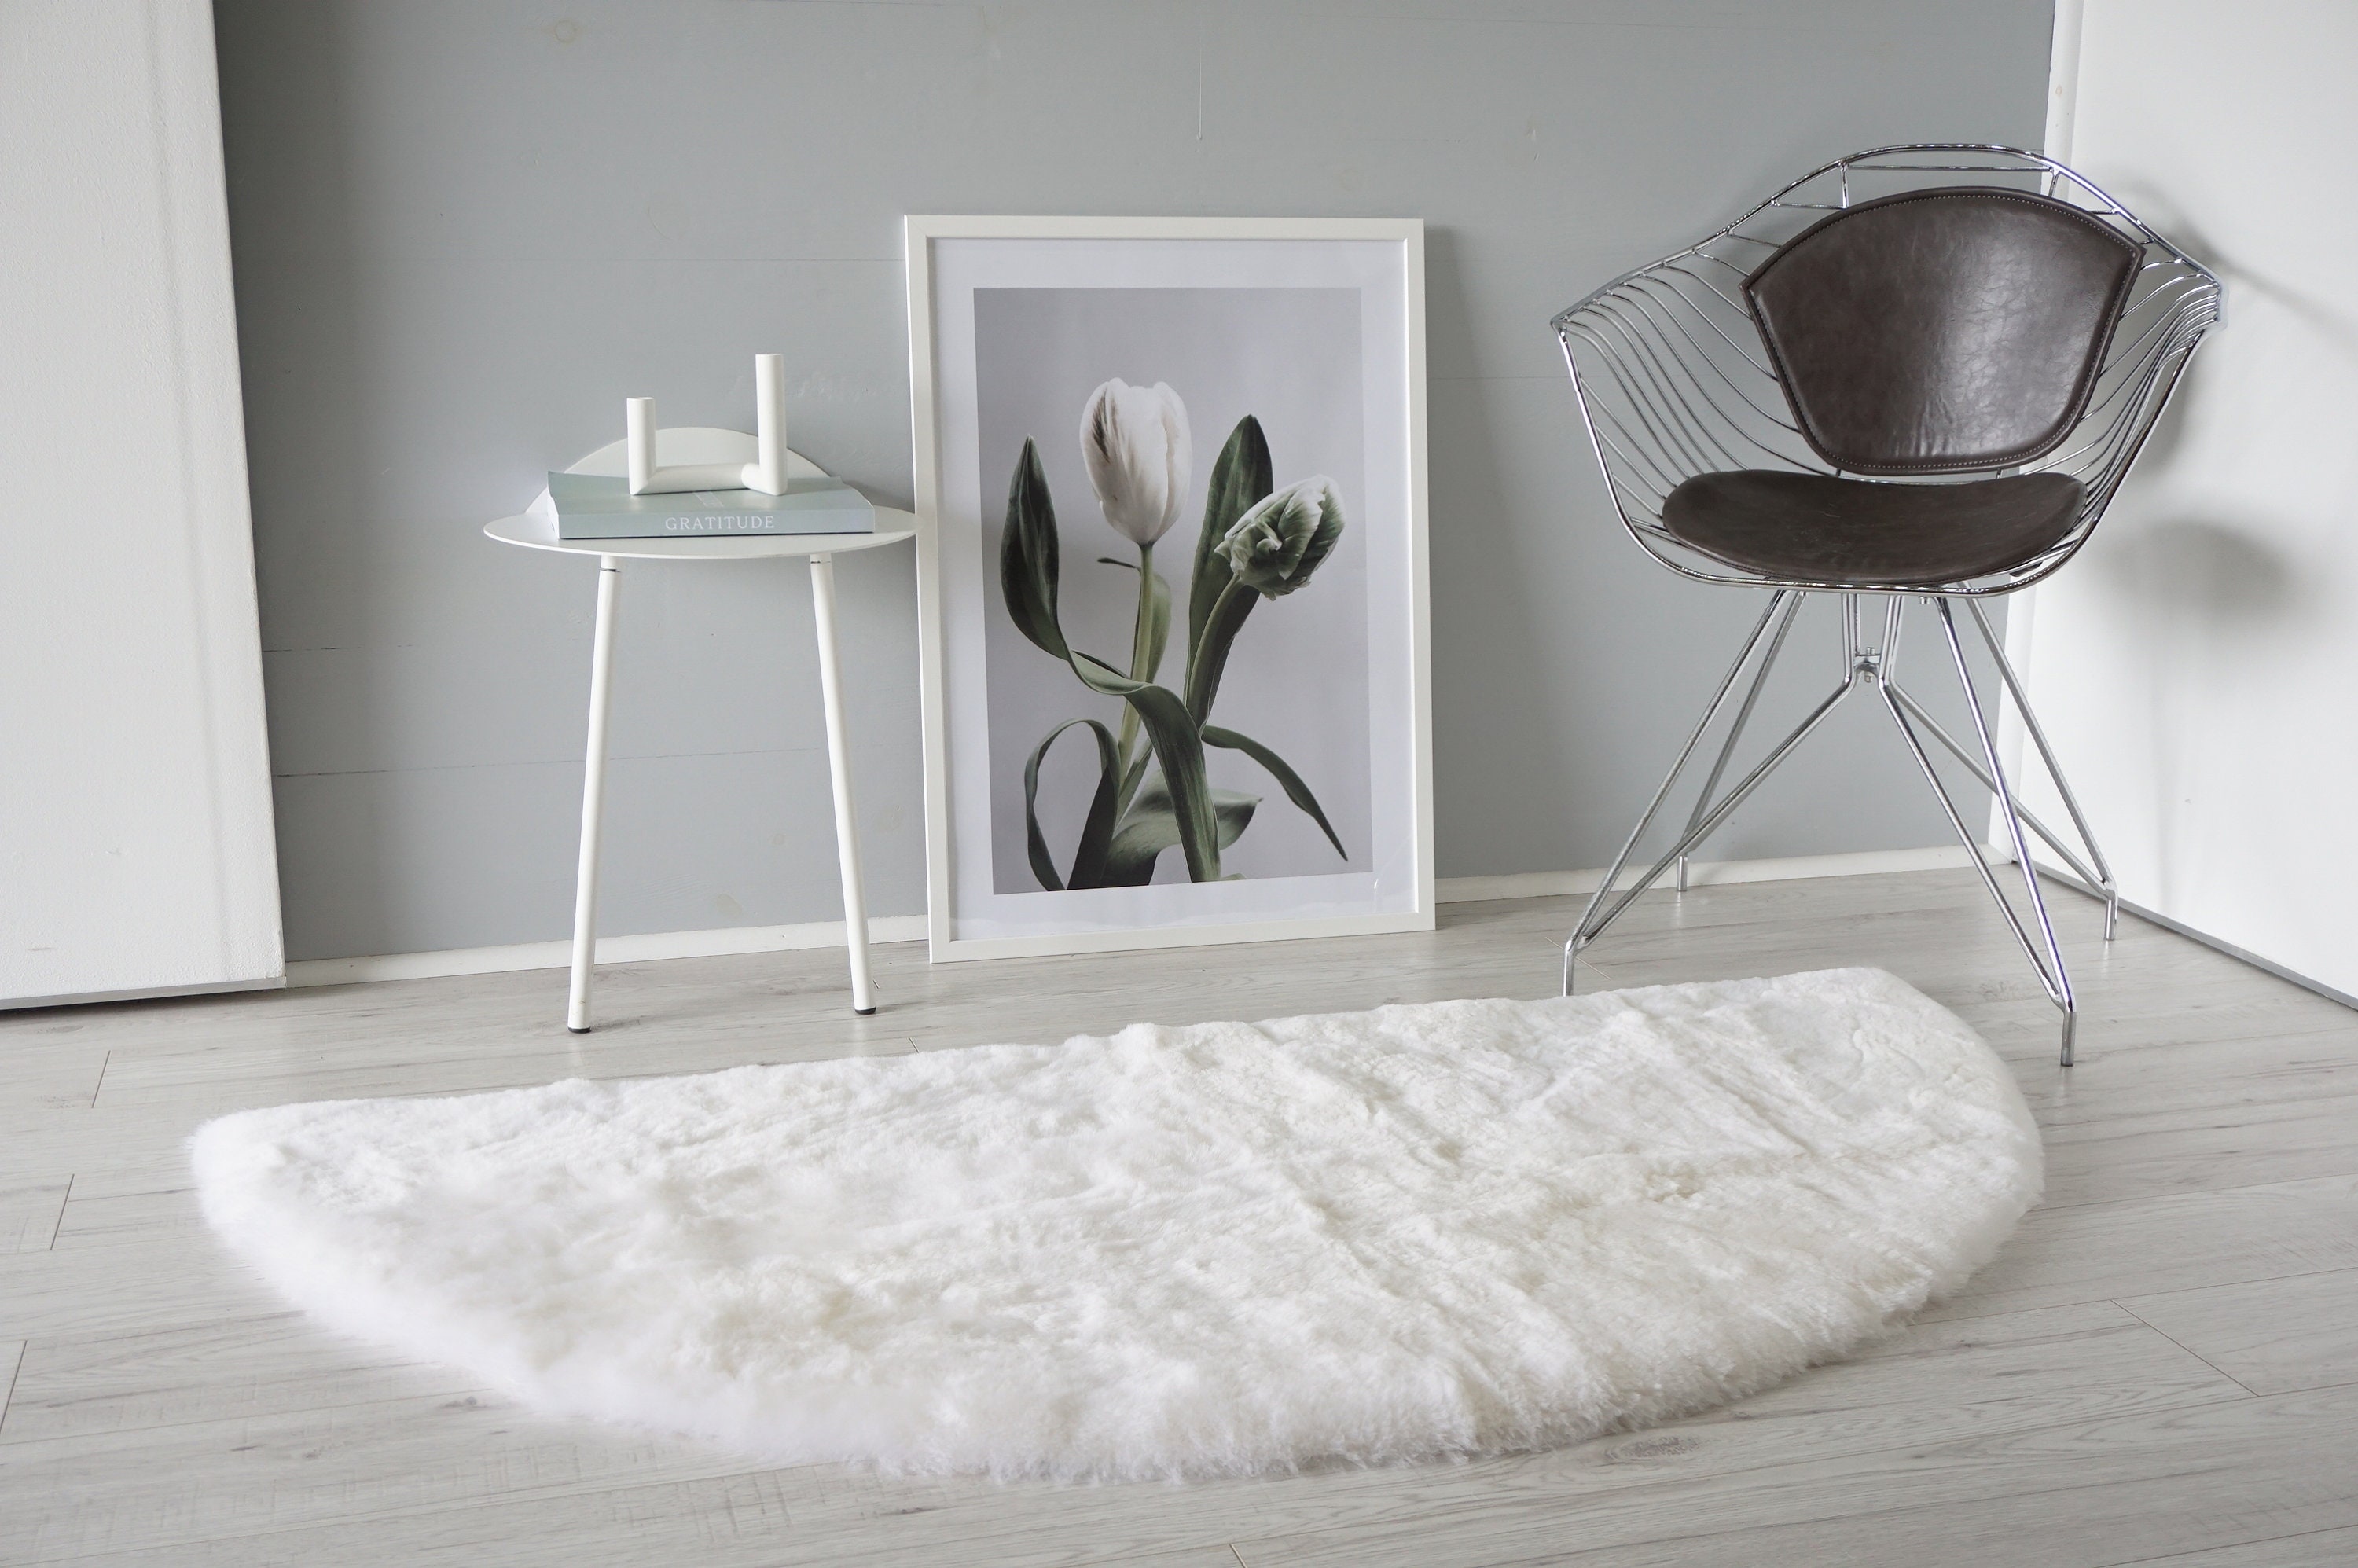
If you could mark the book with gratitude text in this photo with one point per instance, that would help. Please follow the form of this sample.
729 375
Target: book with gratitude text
598 506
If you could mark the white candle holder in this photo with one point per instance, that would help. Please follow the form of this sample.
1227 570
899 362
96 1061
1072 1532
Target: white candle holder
766 472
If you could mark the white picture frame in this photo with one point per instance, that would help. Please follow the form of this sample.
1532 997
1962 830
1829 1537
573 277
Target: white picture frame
1004 314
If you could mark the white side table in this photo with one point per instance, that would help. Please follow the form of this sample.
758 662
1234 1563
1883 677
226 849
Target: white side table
702 445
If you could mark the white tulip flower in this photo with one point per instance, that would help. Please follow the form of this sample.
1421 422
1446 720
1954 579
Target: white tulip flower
1135 440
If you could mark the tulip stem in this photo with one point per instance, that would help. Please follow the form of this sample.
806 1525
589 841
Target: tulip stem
1204 680
1142 637
1142 652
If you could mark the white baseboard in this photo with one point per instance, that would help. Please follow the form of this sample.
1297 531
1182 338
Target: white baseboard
912 928
610 950
144 994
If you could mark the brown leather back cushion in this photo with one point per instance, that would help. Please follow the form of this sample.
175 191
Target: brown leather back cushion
1941 330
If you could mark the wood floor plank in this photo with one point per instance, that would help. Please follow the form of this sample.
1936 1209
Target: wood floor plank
191 1483
495 1059
2144 1247
2199 1148
29 1212
2271 1336
29 1085
737 1523
2098 1493
78 1146
2145 1014
218 1369
2175 1071
116 1290
115 1218
2317 1549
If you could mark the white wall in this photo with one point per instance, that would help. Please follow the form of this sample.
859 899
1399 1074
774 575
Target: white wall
2197 665
135 841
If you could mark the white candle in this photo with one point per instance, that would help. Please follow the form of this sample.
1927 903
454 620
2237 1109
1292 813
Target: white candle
639 435
767 472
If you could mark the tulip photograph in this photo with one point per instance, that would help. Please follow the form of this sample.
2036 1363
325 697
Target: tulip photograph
1179 659
1256 543
1176 687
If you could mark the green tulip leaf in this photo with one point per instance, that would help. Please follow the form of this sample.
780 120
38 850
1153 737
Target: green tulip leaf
1215 610
1171 731
1241 475
1138 766
1097 830
1028 555
1290 781
1149 828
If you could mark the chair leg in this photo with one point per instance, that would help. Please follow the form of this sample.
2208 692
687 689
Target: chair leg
1879 666
2044 953
2103 878
1599 915
1971 763
1734 734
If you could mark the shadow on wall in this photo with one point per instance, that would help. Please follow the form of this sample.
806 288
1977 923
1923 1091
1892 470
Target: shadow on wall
2199 583
2200 571
2332 325
2212 570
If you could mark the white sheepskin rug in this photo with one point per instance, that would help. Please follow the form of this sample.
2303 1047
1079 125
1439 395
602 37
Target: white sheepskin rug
1427 1230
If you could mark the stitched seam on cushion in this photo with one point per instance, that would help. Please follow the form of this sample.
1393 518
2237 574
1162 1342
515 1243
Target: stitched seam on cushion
2083 385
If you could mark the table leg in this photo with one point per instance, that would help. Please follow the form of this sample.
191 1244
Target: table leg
838 765
593 799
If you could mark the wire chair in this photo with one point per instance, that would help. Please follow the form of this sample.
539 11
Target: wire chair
1676 381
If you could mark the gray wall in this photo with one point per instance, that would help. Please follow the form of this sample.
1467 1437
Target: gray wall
464 229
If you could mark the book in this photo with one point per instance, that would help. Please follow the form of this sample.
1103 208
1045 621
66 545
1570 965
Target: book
598 506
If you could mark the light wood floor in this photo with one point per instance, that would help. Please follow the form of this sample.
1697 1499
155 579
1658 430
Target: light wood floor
2162 1366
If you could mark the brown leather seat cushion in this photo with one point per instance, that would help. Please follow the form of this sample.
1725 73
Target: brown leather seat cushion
1815 528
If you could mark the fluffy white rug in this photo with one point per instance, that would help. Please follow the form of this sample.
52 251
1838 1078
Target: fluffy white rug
1424 1230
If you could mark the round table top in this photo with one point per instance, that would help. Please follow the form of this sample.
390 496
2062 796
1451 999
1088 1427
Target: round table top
697 444
539 533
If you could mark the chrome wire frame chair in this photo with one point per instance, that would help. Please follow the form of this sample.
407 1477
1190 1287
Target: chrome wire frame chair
1706 424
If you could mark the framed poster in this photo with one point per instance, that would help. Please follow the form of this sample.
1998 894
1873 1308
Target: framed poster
1173 580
